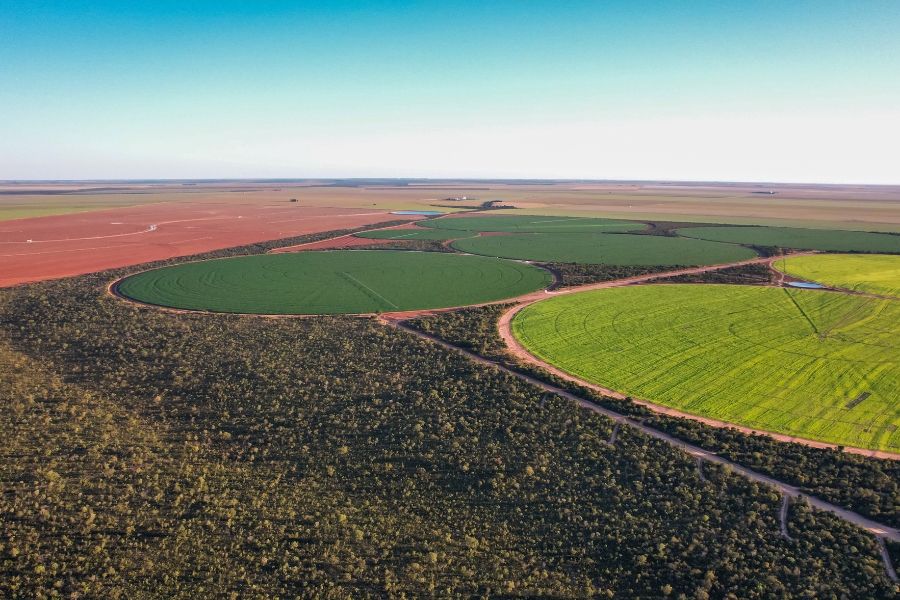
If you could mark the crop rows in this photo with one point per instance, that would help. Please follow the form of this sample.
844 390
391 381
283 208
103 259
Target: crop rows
786 361
600 248
795 237
334 282
878 274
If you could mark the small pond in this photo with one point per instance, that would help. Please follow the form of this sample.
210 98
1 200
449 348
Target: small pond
805 285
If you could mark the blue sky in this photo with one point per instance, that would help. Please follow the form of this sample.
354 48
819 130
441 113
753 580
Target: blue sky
695 90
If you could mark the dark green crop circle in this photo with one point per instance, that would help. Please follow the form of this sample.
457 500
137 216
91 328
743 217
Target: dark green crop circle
339 282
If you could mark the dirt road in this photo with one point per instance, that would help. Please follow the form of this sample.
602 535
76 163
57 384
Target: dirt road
877 529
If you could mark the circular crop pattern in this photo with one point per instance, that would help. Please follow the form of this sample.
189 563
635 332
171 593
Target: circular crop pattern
818 365
532 224
869 273
796 237
596 248
334 282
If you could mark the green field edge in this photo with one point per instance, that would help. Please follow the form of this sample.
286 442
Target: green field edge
515 330
113 289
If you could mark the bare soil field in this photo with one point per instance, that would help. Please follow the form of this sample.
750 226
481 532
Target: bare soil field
42 248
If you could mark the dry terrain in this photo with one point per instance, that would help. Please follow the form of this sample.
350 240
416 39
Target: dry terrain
42 248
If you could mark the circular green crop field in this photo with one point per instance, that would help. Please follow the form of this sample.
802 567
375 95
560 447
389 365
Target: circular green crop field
597 248
796 237
532 224
814 364
869 273
339 282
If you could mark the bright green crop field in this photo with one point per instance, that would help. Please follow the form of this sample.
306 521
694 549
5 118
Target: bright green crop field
338 282
532 224
805 239
595 248
415 234
870 273
819 365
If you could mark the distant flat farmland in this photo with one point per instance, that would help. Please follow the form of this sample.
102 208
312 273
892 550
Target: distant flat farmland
340 282
532 224
595 248
814 364
873 274
804 239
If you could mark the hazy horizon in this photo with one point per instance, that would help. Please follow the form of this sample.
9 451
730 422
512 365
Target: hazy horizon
802 92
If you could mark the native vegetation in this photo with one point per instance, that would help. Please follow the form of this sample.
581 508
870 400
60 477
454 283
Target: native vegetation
473 328
184 455
334 282
750 274
798 238
577 274
873 274
151 453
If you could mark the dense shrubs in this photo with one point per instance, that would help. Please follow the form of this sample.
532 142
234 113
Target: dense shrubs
752 274
575 274
156 454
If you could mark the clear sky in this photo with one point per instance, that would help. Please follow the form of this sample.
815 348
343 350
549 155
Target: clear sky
750 90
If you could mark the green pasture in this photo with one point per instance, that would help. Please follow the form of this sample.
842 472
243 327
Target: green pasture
532 224
337 282
797 362
420 233
595 248
869 273
793 237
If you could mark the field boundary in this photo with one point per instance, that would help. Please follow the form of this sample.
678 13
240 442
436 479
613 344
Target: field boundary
113 289
504 326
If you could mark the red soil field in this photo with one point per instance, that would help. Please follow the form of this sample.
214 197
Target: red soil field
56 246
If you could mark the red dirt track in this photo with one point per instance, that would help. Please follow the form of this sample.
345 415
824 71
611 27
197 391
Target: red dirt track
78 243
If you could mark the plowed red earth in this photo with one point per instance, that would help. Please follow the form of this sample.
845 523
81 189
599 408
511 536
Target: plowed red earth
73 244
